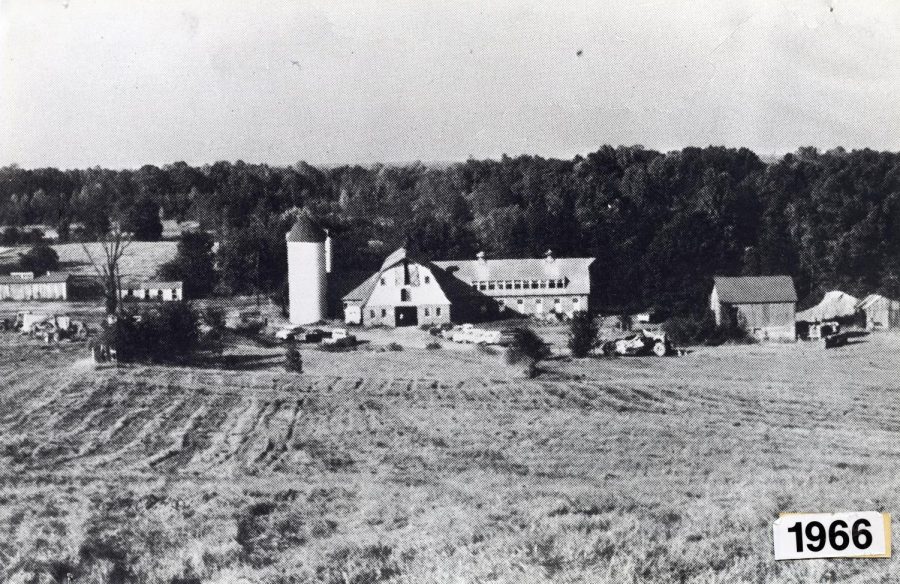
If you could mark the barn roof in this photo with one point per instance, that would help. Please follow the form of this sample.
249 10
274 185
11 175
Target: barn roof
873 299
450 286
305 230
364 290
155 284
575 270
755 289
48 278
834 304
53 278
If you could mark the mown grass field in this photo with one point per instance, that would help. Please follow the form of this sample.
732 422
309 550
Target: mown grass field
442 466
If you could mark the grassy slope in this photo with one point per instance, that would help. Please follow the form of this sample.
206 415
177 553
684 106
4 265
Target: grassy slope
662 470
141 260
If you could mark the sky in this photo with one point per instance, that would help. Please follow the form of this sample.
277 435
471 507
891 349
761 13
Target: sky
122 83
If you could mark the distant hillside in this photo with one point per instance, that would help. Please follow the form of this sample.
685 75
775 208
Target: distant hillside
660 224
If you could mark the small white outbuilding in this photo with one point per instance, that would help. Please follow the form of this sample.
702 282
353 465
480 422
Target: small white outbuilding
880 312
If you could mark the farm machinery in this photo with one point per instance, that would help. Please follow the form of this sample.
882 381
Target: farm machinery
638 344
46 326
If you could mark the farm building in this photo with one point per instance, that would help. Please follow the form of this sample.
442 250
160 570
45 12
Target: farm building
880 312
405 291
834 305
410 291
165 291
531 286
309 263
765 306
25 286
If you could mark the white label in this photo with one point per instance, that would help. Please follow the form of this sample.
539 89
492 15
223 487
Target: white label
803 536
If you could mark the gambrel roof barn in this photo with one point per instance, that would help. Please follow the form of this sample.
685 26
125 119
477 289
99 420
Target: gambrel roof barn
765 306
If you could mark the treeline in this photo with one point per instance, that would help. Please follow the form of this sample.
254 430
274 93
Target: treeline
660 224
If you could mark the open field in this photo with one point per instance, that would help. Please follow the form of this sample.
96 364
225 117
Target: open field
141 260
437 466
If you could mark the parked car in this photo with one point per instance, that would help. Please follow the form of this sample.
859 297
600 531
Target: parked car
288 333
313 336
469 333
339 337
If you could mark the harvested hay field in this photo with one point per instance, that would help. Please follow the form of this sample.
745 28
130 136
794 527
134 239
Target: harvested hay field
624 470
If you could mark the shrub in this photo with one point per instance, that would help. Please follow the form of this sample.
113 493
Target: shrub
395 347
281 298
293 361
583 332
526 345
39 259
169 332
194 264
689 330
433 346
214 316
699 330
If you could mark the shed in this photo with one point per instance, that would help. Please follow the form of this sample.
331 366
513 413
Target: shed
153 290
765 306
880 312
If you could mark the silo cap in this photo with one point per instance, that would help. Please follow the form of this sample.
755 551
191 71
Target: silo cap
306 230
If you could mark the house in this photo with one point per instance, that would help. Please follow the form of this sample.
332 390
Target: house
409 291
765 306
880 312
25 286
153 290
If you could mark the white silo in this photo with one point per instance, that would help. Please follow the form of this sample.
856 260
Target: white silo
307 285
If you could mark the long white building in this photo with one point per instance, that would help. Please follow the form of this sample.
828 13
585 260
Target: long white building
25 286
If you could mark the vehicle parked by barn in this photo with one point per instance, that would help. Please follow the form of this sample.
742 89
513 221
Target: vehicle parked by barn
639 344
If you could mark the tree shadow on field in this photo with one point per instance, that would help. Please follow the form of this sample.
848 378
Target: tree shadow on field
236 362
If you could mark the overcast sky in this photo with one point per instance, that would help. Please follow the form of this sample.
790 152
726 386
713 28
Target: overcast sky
121 83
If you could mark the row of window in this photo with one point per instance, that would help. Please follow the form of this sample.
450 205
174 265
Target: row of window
521 301
407 281
518 284
149 294
437 312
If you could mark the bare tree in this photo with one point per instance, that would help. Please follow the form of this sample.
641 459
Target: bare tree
114 244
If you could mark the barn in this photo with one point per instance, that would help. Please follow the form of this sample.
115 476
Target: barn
529 286
25 286
411 291
405 291
880 312
765 306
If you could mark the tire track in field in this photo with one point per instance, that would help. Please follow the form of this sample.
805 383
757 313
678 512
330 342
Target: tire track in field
148 426
219 450
180 440
280 438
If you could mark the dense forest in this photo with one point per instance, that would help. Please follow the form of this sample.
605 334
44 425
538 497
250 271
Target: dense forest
660 224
